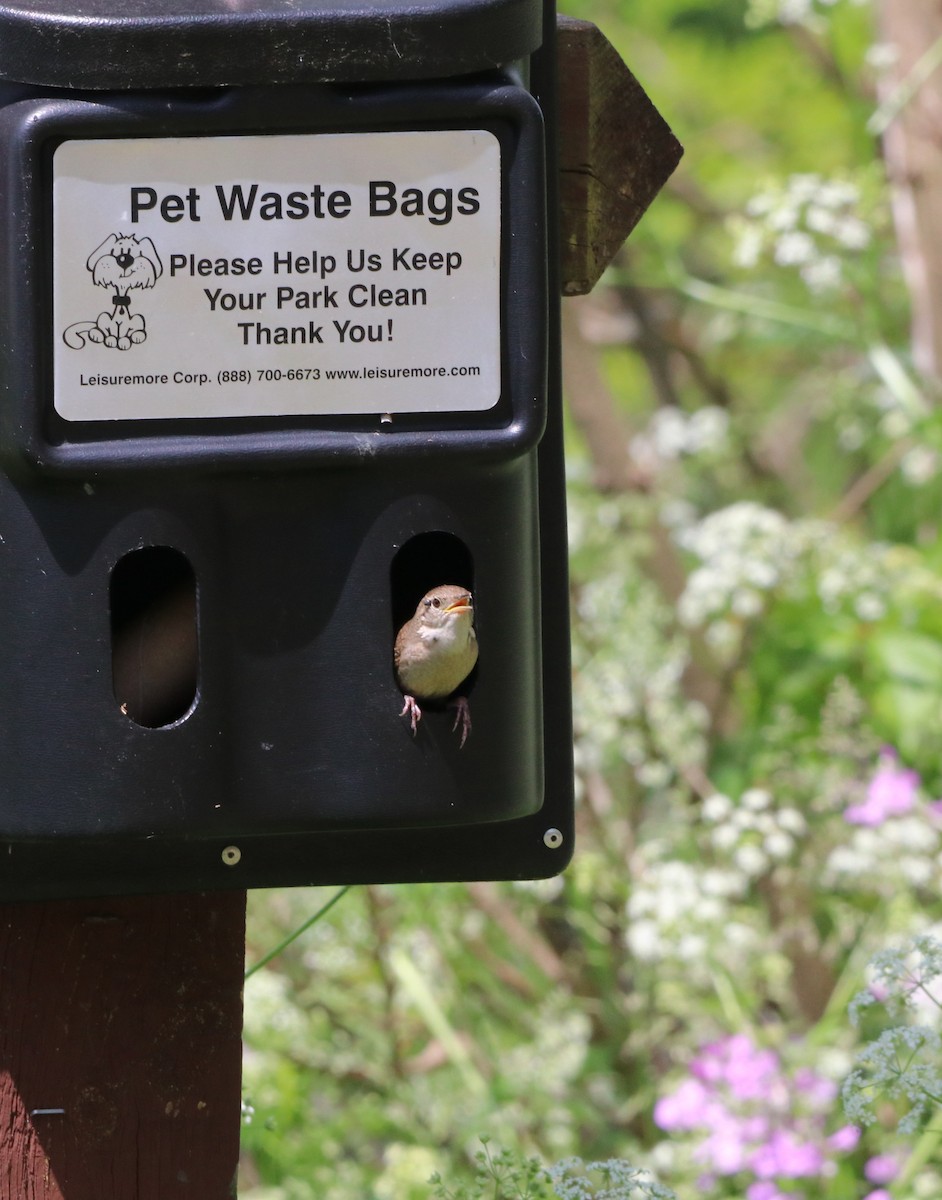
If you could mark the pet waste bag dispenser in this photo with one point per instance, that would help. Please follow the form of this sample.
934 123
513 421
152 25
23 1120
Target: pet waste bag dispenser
277 356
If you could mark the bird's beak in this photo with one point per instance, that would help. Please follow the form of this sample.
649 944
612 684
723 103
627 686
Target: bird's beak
461 605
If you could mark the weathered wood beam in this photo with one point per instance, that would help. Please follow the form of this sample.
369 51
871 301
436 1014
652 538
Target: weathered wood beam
615 153
120 1053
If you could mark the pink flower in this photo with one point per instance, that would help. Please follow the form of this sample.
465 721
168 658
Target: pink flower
882 1168
687 1106
891 792
725 1150
879 1194
765 1190
786 1154
846 1138
817 1091
736 1061
751 1115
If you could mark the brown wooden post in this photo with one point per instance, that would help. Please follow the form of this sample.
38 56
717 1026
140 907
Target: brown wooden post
120 1052
616 152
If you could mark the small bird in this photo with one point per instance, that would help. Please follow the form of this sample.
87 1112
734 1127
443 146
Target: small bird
435 652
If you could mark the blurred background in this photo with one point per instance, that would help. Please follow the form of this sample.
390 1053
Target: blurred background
754 441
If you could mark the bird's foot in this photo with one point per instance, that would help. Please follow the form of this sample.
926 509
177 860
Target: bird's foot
462 718
411 707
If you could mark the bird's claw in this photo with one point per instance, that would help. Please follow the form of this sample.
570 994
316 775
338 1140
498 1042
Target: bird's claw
411 707
462 718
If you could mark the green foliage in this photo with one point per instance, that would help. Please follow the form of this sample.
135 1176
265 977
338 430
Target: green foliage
503 1176
498 1177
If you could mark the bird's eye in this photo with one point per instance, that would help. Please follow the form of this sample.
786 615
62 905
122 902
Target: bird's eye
436 603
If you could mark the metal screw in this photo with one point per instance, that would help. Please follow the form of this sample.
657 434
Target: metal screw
553 839
231 855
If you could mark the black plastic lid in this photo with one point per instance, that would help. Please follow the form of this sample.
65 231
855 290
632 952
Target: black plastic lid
144 44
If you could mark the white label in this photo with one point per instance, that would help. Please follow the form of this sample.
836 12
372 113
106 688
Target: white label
276 276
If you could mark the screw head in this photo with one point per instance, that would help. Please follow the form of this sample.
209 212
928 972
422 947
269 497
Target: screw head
553 838
231 856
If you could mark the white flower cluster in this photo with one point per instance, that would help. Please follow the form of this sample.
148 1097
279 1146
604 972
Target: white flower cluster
572 1179
620 680
678 911
672 433
809 223
556 1055
908 981
869 577
902 852
755 834
746 550
858 573
901 1065
628 695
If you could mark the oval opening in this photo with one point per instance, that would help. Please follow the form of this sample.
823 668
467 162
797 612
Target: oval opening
424 562
154 640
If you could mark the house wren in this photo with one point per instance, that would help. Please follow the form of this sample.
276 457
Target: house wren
435 652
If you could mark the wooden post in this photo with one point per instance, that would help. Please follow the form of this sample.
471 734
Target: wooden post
616 152
120 1052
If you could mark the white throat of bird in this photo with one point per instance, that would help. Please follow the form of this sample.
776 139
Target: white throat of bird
447 627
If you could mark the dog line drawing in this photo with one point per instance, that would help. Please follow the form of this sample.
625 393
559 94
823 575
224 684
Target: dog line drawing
122 262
